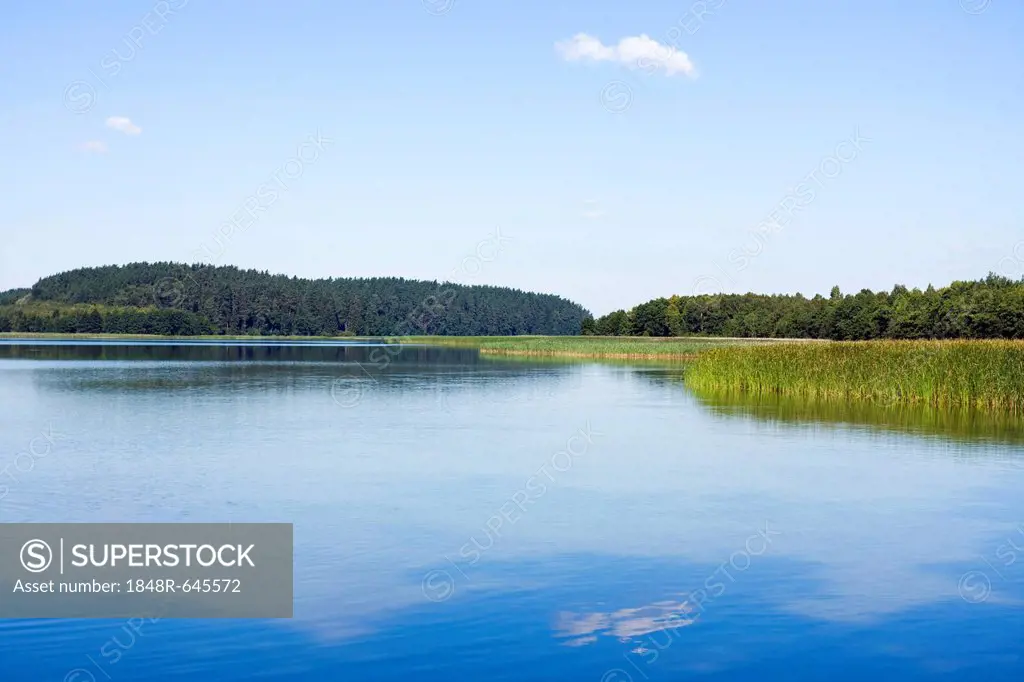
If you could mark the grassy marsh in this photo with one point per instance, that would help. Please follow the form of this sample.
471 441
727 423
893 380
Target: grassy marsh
611 347
978 374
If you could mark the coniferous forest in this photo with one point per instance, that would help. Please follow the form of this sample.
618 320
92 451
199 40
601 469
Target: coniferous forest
992 308
175 299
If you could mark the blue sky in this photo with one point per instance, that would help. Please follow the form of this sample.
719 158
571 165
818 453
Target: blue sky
441 122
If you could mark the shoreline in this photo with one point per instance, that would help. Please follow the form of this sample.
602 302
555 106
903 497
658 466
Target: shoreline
582 355
983 373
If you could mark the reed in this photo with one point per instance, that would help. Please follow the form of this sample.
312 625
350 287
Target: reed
980 374
610 347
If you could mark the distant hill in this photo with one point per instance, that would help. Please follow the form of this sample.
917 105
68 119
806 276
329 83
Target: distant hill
172 298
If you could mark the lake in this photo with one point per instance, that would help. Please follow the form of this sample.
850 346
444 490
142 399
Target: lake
458 517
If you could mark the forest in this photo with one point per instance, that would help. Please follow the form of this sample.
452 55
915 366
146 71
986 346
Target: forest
177 299
47 318
991 308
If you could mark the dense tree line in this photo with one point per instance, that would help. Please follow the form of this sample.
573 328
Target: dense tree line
988 308
234 301
57 319
12 296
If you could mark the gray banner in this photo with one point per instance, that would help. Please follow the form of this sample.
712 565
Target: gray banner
146 570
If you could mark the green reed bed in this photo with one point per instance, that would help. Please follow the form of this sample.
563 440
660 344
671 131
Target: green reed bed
983 374
620 347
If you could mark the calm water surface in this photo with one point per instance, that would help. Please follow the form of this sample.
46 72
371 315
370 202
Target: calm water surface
463 518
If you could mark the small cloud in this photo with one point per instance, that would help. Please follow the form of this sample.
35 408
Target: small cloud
124 125
635 52
93 147
592 209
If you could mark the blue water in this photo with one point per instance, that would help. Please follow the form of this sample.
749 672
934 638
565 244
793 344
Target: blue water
458 517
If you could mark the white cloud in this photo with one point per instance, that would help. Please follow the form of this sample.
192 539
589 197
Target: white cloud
93 146
124 125
592 209
635 52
